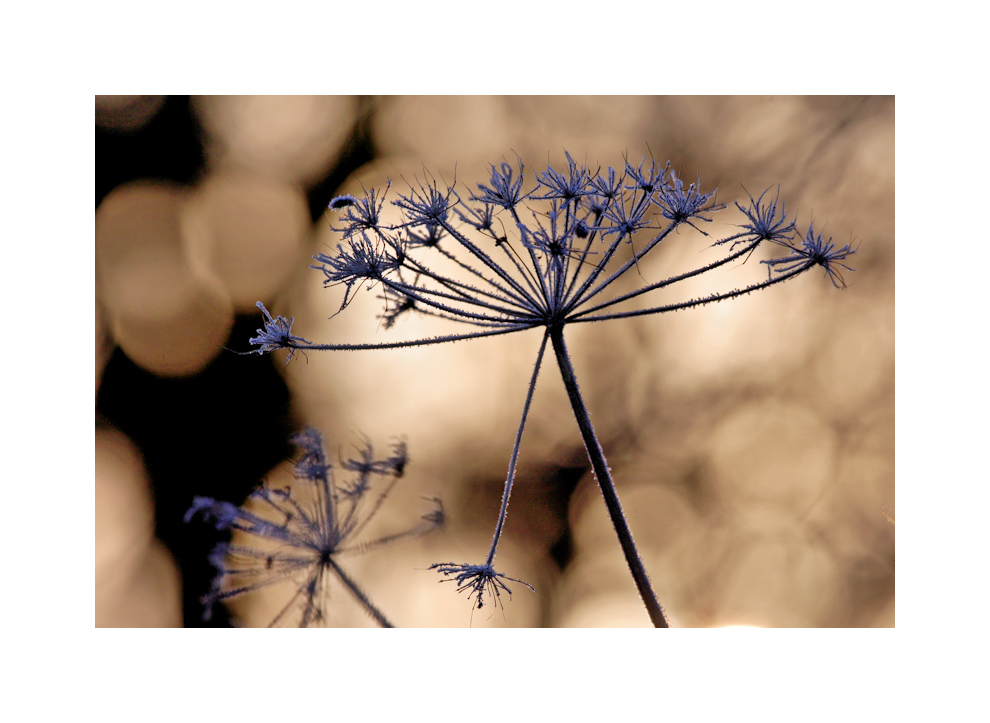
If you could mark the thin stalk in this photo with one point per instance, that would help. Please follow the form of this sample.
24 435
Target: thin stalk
695 302
400 344
359 594
417 294
483 258
459 287
583 295
749 248
598 464
521 300
584 255
536 264
285 609
515 453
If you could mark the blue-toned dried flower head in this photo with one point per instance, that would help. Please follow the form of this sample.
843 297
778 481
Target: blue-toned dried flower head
648 182
426 204
625 219
362 215
509 259
276 334
478 580
763 221
685 205
502 191
301 532
574 185
814 251
485 263
363 260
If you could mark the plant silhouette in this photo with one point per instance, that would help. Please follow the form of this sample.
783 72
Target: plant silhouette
507 259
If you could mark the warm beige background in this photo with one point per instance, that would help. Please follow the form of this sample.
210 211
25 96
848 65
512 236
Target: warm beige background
752 442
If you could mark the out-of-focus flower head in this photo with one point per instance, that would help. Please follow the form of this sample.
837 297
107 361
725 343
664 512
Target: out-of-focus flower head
301 532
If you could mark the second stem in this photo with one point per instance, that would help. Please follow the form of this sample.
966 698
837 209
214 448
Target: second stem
598 464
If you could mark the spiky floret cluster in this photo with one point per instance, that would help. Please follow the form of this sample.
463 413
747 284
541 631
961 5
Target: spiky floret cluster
508 259
480 580
814 251
303 531
276 334
554 267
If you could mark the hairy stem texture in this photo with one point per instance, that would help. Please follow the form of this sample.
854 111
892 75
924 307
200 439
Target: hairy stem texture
359 594
598 464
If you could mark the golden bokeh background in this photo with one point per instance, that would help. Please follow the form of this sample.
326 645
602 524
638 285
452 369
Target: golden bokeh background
752 442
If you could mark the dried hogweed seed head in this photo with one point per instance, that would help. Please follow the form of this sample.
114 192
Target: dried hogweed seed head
559 265
567 188
299 533
814 251
625 221
502 190
478 580
648 182
363 215
362 260
275 334
681 205
425 205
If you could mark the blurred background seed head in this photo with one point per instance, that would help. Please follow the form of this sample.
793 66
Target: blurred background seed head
752 441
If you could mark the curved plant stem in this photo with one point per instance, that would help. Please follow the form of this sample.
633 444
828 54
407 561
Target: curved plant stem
597 457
